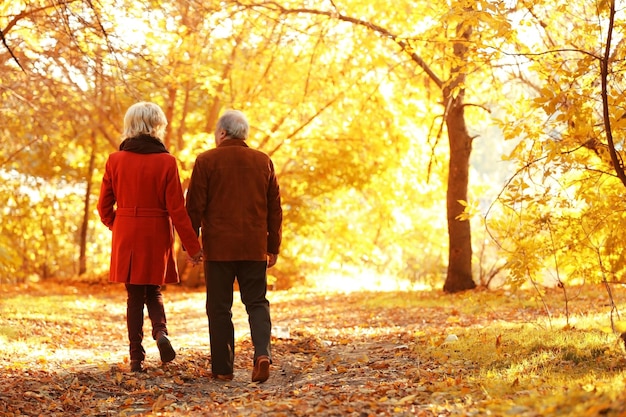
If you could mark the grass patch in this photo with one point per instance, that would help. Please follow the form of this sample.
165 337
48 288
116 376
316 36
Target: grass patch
9 332
554 372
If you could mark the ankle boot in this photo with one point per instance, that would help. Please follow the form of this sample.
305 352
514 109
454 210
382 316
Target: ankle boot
165 348
136 366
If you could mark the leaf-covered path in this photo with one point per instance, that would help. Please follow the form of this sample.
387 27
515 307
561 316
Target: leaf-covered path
63 352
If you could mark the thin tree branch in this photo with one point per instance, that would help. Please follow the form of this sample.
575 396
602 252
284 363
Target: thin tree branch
14 154
604 74
23 14
335 14
6 45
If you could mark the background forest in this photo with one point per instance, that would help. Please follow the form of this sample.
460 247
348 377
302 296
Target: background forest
456 143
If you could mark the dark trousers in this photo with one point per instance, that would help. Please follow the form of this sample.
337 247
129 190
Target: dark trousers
151 297
252 279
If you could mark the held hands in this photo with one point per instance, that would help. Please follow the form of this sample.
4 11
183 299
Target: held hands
195 259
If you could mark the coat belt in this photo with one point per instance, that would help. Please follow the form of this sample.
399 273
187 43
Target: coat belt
141 212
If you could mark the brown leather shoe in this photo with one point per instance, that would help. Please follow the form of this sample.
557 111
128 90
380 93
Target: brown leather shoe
223 377
261 371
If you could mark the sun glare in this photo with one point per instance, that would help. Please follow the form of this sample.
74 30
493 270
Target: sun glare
362 280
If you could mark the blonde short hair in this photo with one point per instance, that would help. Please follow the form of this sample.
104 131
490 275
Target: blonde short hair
144 118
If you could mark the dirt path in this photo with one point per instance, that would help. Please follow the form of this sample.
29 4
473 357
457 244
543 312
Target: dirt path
64 353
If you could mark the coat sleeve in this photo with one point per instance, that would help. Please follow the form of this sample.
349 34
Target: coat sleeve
274 214
106 201
175 204
197 196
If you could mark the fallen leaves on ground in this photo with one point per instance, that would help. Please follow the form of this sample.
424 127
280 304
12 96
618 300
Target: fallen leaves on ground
63 352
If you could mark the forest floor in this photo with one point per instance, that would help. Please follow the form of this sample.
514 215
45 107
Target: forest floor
63 352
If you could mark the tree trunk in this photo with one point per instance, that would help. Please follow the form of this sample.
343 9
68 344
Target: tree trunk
459 276
82 258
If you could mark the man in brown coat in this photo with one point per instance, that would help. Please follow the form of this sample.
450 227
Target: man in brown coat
234 198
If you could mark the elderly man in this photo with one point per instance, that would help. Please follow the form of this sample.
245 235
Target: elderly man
234 198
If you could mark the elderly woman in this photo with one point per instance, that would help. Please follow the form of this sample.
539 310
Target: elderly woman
140 199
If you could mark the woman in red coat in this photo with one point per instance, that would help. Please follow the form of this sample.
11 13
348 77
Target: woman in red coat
140 199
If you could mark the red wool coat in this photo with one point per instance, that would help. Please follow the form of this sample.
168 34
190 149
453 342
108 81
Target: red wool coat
140 198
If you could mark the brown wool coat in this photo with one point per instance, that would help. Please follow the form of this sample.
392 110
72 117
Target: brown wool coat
140 198
234 197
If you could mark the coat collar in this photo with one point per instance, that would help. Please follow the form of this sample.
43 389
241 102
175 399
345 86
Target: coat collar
233 142
143 144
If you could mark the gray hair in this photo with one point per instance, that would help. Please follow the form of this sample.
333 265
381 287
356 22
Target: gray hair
234 124
144 118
